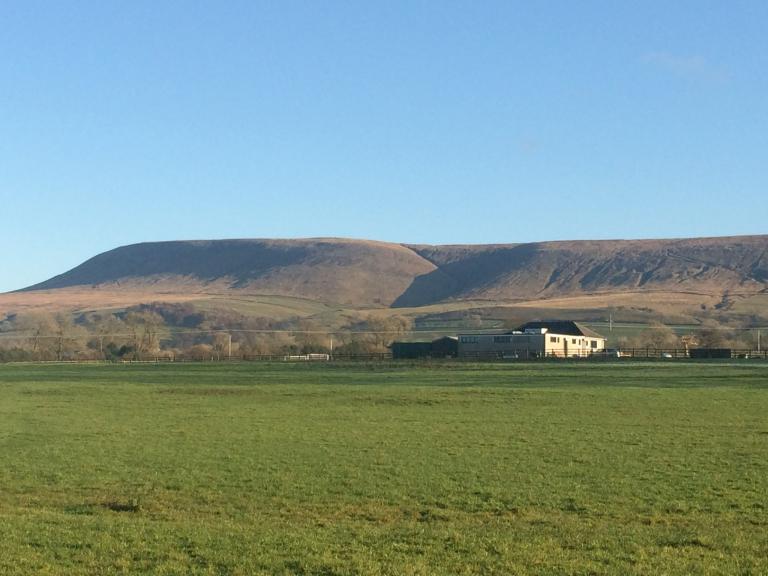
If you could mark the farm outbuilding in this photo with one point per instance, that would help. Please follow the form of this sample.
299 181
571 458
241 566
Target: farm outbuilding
710 353
554 338
410 350
446 347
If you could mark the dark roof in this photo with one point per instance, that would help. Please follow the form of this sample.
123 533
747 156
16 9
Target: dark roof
441 339
567 327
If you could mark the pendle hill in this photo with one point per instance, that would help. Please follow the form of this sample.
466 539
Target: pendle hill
678 279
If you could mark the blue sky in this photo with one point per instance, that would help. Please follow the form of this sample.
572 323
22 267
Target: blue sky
418 121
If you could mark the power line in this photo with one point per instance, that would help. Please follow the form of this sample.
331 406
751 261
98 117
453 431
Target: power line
169 332
172 332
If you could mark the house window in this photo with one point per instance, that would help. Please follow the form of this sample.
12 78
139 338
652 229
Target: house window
553 338
594 343
468 340
573 340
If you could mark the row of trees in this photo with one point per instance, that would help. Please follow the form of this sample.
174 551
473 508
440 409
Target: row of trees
43 336
180 331
657 336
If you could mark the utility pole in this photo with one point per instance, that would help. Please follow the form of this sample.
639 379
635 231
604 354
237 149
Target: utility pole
229 346
758 340
610 322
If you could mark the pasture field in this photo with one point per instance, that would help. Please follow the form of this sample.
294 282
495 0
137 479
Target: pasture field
550 468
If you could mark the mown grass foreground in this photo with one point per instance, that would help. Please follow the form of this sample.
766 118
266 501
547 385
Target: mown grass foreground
390 469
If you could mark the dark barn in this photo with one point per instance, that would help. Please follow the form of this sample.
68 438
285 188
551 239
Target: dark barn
411 350
710 353
446 347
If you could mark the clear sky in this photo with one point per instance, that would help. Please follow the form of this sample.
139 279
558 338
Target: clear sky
414 121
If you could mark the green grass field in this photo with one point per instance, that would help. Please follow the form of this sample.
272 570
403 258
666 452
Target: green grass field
392 469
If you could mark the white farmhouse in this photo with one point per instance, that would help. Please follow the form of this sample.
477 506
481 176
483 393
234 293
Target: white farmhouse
553 338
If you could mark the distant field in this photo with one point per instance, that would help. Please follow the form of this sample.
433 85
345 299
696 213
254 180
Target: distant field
627 307
756 304
384 469
620 330
83 300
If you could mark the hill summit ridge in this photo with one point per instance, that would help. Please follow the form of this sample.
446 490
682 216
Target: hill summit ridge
373 273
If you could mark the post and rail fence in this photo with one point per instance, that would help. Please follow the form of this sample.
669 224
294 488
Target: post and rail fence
615 355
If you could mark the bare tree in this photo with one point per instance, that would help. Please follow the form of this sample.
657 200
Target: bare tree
201 352
712 336
384 330
110 333
221 344
143 330
39 330
658 336
310 337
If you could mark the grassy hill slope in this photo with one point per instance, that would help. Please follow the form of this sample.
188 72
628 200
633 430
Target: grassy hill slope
709 266
327 270
676 279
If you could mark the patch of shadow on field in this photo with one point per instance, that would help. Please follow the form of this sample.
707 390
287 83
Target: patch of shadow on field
58 391
298 568
433 400
374 401
380 515
684 542
114 505
81 509
128 505
194 391
198 559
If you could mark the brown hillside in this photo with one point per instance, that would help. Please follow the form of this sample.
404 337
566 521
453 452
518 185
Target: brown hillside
713 266
665 275
350 272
